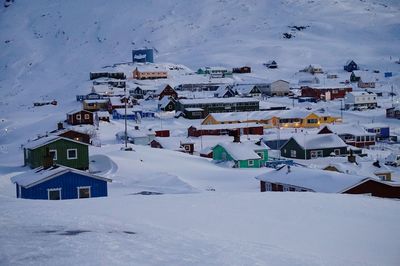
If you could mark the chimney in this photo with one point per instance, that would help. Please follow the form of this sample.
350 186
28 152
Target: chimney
47 159
351 158
236 135
60 126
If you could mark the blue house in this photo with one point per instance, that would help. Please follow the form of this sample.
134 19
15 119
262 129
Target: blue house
58 183
382 131
142 56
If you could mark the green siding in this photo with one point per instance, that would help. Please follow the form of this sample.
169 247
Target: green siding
218 152
293 145
35 157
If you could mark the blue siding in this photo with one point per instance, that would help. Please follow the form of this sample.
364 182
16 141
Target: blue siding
68 182
132 116
384 134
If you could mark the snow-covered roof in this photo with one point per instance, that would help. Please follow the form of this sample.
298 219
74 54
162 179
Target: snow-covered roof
244 89
194 109
243 116
172 143
96 101
103 114
362 168
164 102
362 93
150 68
294 113
131 110
227 126
133 134
46 140
40 174
116 101
319 141
242 151
222 89
313 179
375 125
77 111
351 129
217 100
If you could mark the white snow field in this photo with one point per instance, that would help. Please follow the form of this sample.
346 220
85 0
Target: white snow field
198 213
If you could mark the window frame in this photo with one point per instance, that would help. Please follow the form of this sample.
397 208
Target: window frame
84 187
251 162
54 189
55 154
72 158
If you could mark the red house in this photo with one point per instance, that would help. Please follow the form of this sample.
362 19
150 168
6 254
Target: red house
325 93
162 133
80 117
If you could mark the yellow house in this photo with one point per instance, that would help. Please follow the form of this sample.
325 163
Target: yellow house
329 119
299 119
259 117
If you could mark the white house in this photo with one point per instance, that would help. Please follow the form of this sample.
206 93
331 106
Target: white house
278 88
359 100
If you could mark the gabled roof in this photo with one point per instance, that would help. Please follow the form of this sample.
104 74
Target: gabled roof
40 174
350 129
226 126
47 140
319 141
244 89
242 151
217 100
312 179
164 102
78 111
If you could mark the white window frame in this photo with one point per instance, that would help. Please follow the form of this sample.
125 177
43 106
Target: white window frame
286 188
84 187
186 147
293 153
53 189
78 117
268 186
55 154
76 154
251 162
87 116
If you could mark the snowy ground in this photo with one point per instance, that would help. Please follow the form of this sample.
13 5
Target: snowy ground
206 214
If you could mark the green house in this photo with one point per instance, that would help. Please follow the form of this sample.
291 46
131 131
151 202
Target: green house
244 155
67 152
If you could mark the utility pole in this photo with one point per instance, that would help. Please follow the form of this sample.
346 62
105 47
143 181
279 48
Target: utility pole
126 123
341 109
392 93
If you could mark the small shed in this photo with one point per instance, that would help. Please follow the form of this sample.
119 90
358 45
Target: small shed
350 66
58 183
80 117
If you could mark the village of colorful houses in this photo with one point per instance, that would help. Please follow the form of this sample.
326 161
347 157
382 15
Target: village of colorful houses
297 133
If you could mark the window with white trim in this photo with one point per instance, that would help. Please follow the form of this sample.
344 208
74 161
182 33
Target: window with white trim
84 192
72 154
53 154
251 162
54 193
293 153
268 186
87 116
78 117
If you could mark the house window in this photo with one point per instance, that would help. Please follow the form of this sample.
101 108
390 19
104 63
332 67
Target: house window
293 153
261 154
251 162
78 117
187 147
26 153
285 188
72 154
337 151
54 193
268 187
316 154
86 116
53 154
312 121
84 192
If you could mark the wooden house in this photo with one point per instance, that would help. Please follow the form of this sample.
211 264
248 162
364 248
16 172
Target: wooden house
242 155
355 76
149 72
214 72
199 108
360 100
325 93
162 133
167 104
134 113
350 66
351 134
382 131
58 182
224 91
118 102
241 70
366 82
301 179
247 90
393 112
224 129
114 75
313 69
102 116
166 91
80 117
272 64
74 135
63 151
95 105
278 88
311 146
180 145
137 136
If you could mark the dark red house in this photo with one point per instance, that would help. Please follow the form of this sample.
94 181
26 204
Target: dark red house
167 91
162 133
241 70
224 129
80 117
75 135
325 93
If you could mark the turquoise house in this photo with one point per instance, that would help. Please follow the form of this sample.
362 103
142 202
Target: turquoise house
244 155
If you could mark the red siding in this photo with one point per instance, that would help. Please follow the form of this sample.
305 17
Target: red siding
377 189
318 93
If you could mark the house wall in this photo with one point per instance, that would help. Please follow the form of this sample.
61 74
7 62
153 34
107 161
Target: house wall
376 189
217 154
168 91
279 88
301 154
68 182
73 120
101 105
36 156
76 136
